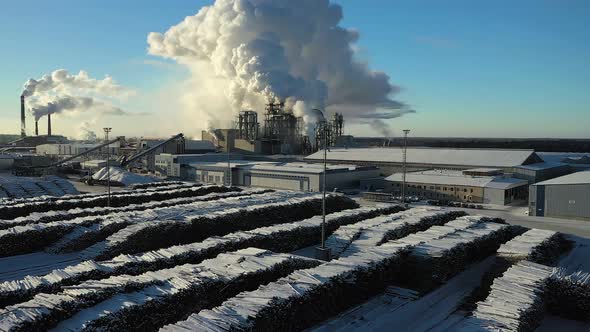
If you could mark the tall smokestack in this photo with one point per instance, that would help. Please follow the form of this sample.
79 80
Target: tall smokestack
48 124
23 128
36 128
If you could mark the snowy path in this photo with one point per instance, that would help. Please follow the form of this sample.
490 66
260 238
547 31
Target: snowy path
39 263
384 312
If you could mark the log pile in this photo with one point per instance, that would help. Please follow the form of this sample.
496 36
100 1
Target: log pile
307 297
568 295
242 269
438 260
303 298
155 184
515 302
369 233
50 216
33 237
117 200
535 245
154 235
279 238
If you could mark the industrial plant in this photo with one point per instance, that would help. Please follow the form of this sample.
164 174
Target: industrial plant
281 133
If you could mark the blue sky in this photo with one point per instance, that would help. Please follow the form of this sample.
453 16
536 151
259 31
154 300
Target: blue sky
469 68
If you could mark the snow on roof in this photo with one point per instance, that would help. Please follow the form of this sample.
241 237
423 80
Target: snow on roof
465 157
274 166
542 166
457 178
302 167
574 178
118 174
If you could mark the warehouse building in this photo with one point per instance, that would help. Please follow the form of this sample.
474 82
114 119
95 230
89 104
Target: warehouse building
289 176
541 171
486 186
64 150
565 197
390 160
179 165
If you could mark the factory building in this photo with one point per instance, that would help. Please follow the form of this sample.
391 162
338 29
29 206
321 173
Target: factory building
485 186
281 132
390 160
179 165
564 197
540 171
62 150
289 176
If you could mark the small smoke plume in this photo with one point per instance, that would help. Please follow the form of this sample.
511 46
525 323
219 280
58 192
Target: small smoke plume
69 103
85 133
268 50
61 92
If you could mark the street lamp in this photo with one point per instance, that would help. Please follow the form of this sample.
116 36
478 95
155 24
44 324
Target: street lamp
322 252
106 132
406 132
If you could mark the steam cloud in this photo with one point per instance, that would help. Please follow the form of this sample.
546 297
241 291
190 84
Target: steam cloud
278 49
61 91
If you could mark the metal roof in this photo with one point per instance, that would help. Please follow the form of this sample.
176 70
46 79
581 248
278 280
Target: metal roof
434 156
574 178
457 178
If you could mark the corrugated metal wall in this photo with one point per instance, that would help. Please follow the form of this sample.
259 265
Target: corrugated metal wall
570 201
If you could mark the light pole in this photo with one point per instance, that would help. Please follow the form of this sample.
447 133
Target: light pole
322 252
406 132
229 181
106 132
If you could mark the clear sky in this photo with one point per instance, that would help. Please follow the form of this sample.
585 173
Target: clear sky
470 68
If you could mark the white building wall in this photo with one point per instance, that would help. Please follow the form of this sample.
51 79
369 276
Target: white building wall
493 196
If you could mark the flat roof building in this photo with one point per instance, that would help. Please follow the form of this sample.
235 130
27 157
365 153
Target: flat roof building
278 175
459 186
390 160
564 197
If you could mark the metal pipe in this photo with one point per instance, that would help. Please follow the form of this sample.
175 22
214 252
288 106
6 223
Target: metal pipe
48 124
107 131
23 127
324 187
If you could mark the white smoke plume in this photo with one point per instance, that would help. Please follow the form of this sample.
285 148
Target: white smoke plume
61 91
279 49
86 133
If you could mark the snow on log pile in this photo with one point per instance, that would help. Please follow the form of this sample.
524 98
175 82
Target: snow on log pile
168 186
14 188
179 288
160 234
32 237
120 176
535 245
438 260
50 216
369 233
515 302
568 295
120 199
279 238
155 184
307 297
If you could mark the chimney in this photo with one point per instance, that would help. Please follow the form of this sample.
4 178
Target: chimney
36 128
48 124
23 128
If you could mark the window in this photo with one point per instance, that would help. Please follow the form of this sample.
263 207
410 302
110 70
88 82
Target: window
465 190
445 188
431 187
217 179
210 178
471 190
